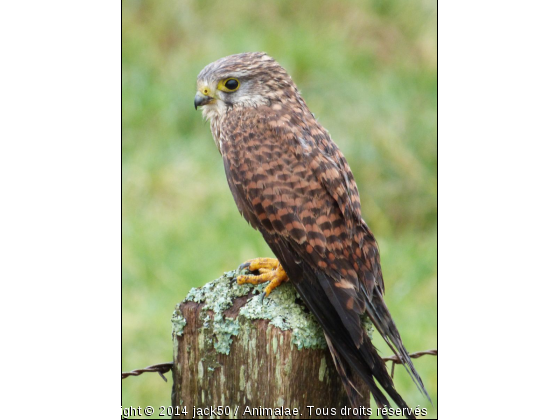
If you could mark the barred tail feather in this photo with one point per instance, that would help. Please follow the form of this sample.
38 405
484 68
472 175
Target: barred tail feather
381 318
349 359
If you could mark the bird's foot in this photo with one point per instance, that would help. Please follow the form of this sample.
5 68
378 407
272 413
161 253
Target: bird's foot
269 269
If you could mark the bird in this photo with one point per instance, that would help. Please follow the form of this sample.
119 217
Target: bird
291 182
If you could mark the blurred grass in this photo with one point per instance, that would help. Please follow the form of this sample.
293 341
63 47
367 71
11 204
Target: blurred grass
367 69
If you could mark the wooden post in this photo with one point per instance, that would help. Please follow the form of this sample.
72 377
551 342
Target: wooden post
235 357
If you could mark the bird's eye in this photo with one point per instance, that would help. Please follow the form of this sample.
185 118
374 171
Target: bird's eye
230 85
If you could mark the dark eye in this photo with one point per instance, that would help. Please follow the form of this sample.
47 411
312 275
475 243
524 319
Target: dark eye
231 84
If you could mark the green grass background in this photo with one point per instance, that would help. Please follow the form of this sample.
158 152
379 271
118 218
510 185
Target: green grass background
367 69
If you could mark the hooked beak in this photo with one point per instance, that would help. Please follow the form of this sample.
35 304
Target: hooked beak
201 100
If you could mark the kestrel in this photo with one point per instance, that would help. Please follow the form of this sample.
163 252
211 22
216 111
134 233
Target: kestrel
292 183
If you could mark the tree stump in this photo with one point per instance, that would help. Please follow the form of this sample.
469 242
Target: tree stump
237 357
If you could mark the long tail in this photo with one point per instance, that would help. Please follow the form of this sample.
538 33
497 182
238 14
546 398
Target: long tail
381 318
349 359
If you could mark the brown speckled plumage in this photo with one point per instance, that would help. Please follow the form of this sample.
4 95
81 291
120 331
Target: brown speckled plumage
292 183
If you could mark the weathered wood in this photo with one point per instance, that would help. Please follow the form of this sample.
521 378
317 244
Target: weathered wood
256 359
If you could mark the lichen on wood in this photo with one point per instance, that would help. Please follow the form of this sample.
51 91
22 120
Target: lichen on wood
232 349
283 308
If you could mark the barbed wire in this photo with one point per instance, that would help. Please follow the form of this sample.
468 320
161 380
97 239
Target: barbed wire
162 368
397 361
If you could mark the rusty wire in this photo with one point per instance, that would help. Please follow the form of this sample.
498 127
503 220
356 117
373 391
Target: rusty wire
162 368
397 361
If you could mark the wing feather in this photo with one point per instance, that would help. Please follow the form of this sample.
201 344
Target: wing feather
285 186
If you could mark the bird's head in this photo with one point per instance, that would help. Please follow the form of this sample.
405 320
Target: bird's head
242 80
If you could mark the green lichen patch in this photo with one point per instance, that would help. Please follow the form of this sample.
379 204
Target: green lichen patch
283 308
178 322
284 311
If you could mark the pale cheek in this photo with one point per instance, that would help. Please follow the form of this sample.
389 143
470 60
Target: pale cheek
210 112
251 100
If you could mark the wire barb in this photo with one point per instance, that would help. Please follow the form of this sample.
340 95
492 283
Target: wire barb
397 361
160 368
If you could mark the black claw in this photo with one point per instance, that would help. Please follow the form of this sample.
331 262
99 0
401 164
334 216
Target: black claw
261 297
244 266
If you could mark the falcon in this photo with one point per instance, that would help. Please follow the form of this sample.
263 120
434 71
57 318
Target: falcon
291 182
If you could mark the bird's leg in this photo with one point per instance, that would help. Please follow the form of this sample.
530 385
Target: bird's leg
269 270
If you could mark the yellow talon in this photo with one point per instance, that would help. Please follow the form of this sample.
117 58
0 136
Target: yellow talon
257 264
269 270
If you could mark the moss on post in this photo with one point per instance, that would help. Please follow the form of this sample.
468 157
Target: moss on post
255 360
